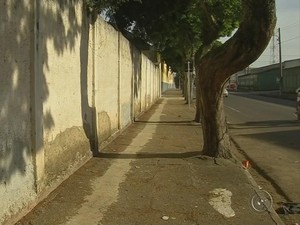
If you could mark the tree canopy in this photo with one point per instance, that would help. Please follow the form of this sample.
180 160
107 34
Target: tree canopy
180 30
177 29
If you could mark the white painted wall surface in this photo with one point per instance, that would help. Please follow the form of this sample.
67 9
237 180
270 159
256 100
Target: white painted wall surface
126 76
107 79
61 67
60 82
66 111
16 162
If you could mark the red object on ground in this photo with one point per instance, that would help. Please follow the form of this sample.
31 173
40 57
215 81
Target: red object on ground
246 164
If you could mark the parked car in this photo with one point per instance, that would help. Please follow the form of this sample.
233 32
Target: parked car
225 92
232 87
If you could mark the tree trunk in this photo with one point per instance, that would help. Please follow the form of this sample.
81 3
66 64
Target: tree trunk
185 88
198 102
214 126
199 54
214 68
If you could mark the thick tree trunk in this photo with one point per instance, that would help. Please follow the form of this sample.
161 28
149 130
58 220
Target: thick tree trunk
214 68
215 133
202 51
214 126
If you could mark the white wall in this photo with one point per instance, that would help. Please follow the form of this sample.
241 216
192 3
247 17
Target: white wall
106 79
65 87
126 82
16 160
65 107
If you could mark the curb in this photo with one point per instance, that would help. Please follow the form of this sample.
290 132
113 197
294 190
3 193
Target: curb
256 187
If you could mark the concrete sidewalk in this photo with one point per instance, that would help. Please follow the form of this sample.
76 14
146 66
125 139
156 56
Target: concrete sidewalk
153 174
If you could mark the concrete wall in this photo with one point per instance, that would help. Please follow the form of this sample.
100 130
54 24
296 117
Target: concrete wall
150 82
65 108
167 78
291 76
16 159
126 82
107 83
66 86
137 81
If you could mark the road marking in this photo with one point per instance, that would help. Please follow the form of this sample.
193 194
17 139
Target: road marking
233 109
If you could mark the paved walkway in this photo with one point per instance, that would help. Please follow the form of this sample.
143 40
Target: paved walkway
153 174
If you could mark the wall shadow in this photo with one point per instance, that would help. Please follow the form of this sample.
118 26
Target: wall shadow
149 155
136 81
287 136
265 124
88 113
286 139
24 86
265 98
181 123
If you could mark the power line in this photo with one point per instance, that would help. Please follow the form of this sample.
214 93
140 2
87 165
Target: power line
290 26
290 39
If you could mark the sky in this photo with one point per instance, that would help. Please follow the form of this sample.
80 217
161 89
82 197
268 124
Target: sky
288 20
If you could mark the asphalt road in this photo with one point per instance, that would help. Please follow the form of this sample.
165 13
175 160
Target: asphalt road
266 129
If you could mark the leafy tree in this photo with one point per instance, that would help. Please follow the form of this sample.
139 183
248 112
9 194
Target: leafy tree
100 5
165 24
246 45
180 29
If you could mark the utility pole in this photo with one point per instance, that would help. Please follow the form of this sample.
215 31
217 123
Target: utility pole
280 62
272 51
189 85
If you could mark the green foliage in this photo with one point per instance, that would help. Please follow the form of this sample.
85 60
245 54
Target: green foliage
100 5
215 18
176 28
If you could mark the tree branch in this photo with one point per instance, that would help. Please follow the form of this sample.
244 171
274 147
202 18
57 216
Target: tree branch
248 42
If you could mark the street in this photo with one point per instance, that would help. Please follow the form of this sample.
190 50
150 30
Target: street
267 131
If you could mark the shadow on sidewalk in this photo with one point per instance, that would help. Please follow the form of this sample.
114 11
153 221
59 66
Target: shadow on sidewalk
149 155
184 123
158 174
